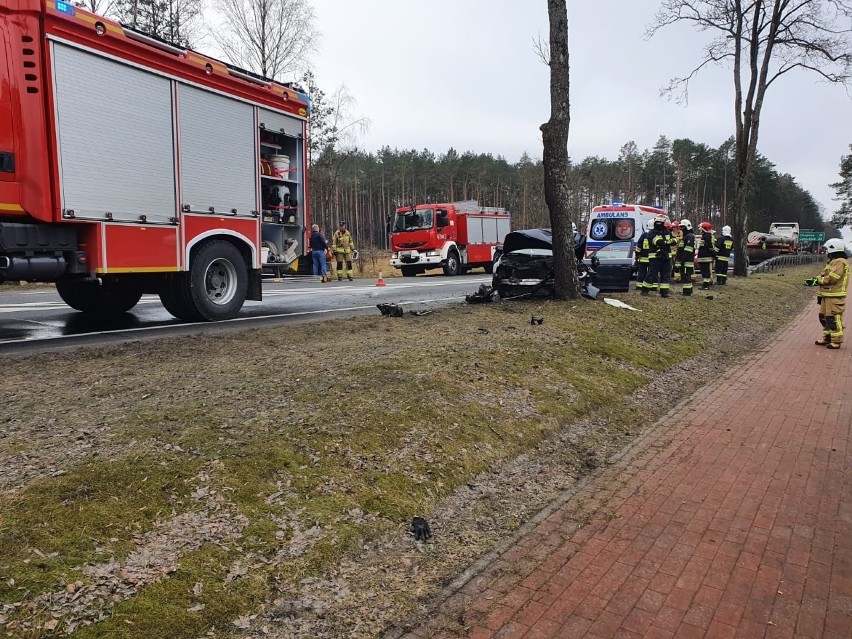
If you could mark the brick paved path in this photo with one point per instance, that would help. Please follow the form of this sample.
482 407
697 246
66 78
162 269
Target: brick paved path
732 517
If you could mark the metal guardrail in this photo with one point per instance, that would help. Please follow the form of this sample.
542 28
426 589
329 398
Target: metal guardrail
783 261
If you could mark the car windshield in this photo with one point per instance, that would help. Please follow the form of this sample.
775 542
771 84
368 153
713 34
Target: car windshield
416 220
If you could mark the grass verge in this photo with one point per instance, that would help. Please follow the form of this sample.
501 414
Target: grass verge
326 437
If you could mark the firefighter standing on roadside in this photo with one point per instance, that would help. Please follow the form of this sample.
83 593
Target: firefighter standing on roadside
642 256
686 256
658 244
343 247
833 284
725 247
706 254
677 234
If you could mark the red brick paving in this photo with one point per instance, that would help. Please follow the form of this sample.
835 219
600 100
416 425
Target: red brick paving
731 517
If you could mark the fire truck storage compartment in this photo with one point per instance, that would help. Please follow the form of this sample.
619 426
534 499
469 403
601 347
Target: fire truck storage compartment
486 230
116 154
283 224
217 153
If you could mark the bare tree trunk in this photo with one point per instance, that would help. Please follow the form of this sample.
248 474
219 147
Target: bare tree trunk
555 155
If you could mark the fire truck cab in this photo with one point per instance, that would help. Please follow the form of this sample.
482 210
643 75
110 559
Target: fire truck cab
129 165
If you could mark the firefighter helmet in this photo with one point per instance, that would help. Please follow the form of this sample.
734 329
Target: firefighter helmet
649 225
834 246
706 227
726 230
686 224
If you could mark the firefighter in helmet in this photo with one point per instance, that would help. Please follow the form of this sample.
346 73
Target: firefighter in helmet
706 253
343 247
833 283
686 256
642 256
725 247
658 243
677 234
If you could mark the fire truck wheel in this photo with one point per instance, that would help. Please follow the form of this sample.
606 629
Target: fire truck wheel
453 264
489 268
109 298
173 298
409 271
218 281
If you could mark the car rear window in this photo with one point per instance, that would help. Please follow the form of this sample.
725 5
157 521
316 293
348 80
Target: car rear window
612 230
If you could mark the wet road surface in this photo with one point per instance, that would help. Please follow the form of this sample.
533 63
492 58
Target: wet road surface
31 318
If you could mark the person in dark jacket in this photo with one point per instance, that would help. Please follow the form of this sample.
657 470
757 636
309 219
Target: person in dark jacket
725 247
642 258
686 256
706 254
658 244
319 246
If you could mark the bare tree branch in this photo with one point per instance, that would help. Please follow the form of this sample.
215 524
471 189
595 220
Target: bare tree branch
765 39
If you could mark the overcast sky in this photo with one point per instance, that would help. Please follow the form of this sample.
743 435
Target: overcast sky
464 74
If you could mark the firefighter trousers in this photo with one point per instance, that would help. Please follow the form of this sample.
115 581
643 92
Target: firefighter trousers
831 318
687 270
659 271
721 270
341 258
641 274
706 276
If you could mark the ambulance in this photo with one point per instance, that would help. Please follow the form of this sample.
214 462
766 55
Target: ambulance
618 223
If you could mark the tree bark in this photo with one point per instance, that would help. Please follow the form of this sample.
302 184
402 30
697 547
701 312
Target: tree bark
555 155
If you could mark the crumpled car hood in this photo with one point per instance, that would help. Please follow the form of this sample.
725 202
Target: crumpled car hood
528 239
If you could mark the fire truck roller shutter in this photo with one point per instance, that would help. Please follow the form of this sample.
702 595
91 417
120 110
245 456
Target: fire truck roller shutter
217 152
280 122
474 230
116 149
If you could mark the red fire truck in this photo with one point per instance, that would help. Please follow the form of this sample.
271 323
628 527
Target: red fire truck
129 165
455 237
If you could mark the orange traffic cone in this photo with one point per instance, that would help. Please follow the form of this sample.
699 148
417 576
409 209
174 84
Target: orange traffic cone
381 281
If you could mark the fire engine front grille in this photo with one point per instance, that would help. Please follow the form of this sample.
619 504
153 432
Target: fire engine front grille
412 245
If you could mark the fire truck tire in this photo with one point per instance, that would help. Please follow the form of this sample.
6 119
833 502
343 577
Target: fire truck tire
109 298
172 297
489 268
218 281
452 266
409 271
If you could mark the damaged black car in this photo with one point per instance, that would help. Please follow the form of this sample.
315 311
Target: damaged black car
525 266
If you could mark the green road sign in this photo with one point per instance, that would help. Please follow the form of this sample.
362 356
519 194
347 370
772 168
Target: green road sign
806 237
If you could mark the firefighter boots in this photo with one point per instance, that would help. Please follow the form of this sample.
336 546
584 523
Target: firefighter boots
705 285
823 341
833 345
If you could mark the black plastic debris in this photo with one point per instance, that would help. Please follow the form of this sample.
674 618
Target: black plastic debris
420 529
483 295
421 313
390 310
535 320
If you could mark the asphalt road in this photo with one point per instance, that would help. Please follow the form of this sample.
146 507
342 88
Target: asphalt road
36 319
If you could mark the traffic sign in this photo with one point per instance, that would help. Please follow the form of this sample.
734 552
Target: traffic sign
805 237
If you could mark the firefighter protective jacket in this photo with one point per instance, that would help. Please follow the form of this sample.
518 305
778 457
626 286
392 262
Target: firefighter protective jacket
342 242
658 245
834 279
725 247
707 247
686 248
641 250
